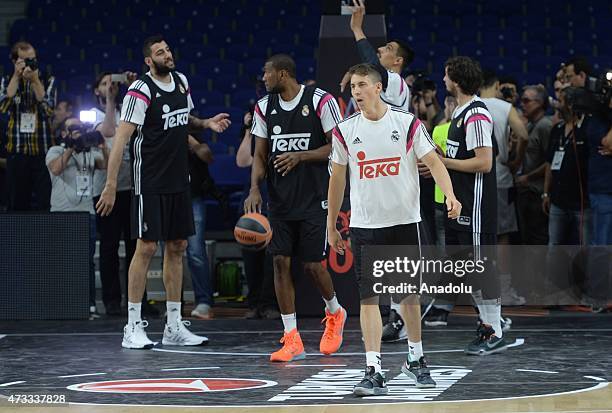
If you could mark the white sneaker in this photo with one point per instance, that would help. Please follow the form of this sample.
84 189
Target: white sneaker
135 337
201 311
178 335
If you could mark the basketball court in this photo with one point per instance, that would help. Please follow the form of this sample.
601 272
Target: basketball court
558 363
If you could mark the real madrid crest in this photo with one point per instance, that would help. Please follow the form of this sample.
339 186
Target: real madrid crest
395 136
305 111
182 89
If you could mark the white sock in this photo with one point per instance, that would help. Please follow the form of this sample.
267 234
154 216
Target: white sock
395 306
289 321
415 350
332 305
373 359
493 310
173 308
134 312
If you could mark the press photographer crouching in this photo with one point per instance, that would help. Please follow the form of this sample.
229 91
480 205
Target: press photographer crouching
71 167
591 100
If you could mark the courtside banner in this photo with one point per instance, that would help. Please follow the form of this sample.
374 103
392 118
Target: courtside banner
542 275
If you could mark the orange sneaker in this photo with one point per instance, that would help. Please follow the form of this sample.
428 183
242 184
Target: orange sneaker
334 328
293 349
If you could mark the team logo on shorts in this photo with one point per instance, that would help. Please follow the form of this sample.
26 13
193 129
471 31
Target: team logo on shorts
395 136
305 111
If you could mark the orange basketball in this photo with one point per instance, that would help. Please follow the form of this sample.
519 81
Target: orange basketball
253 231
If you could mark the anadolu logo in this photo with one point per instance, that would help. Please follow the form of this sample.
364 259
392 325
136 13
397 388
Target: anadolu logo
375 168
172 385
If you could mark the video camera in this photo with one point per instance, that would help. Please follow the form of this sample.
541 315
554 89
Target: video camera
84 142
594 98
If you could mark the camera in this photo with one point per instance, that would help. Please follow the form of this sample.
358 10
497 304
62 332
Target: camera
32 63
594 98
84 142
507 92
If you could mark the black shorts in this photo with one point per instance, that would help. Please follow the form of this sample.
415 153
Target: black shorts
306 239
407 234
477 246
162 217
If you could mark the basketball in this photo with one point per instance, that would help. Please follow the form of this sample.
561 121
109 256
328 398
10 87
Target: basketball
253 231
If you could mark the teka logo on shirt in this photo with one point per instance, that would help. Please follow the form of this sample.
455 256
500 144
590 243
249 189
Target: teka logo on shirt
374 168
290 142
179 117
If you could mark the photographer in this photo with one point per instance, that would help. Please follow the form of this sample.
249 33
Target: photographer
565 186
425 103
28 137
71 167
116 225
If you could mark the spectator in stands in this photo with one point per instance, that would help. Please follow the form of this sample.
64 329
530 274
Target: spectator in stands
28 100
62 111
197 258
258 265
116 225
71 167
530 181
565 187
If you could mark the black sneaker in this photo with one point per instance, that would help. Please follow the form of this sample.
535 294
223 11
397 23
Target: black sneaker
372 384
436 317
486 342
506 323
395 329
419 372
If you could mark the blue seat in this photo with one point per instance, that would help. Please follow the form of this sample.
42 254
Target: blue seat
210 99
244 97
225 172
218 148
215 67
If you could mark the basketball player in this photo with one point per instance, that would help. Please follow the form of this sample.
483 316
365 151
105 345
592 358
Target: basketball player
390 60
293 127
155 115
385 208
470 158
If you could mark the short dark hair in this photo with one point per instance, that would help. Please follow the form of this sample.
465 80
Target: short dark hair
99 78
366 69
581 64
465 72
150 41
20 45
404 51
283 62
509 79
489 77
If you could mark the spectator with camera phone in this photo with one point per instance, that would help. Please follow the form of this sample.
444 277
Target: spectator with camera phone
71 167
29 106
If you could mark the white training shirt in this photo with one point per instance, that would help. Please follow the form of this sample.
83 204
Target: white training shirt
500 111
328 112
382 161
135 105
397 92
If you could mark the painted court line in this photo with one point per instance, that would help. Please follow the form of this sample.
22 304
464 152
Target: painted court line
315 365
81 375
11 383
191 368
538 371
2 336
594 378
